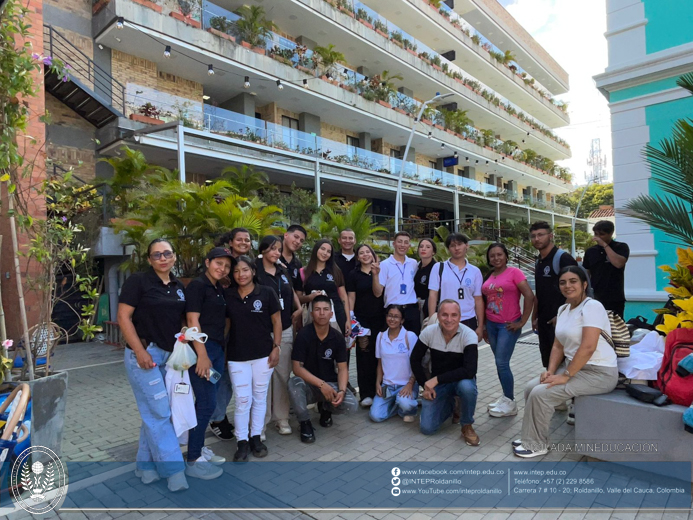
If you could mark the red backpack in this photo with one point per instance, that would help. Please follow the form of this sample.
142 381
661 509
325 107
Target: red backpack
679 344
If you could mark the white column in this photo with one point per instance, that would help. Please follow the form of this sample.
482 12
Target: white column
181 152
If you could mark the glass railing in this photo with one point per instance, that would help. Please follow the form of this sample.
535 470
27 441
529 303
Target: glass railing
239 126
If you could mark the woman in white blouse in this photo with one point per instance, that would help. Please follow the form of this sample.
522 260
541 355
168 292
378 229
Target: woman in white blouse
582 362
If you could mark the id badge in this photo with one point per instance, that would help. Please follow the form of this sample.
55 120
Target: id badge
281 302
181 388
403 288
460 293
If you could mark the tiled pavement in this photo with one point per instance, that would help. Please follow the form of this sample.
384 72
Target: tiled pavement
102 424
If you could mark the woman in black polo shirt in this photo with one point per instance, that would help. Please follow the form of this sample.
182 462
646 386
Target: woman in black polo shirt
370 313
322 274
237 240
206 310
426 251
150 314
255 315
271 274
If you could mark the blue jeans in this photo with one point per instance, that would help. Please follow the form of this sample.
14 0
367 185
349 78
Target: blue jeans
224 395
205 399
392 403
158 449
502 343
435 412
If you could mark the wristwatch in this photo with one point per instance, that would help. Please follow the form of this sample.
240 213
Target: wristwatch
278 346
567 374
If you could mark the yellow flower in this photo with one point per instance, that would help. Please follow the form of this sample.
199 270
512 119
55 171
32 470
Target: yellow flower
685 305
685 256
679 292
674 321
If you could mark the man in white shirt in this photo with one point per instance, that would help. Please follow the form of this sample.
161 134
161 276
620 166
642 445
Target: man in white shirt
461 281
394 278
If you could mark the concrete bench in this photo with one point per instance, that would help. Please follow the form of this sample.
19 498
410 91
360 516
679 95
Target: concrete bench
645 432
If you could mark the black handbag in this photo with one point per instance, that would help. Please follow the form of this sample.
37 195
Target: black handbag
647 394
639 323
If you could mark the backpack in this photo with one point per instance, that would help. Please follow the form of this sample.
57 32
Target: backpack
556 267
679 344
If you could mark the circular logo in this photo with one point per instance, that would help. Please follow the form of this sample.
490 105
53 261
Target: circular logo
396 491
295 272
423 279
42 478
257 305
396 481
284 279
547 270
395 472
330 278
181 295
328 354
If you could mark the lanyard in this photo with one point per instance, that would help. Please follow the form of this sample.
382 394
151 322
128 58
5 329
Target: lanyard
404 268
460 280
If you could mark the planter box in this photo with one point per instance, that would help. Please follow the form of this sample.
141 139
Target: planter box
150 5
185 19
412 52
459 81
449 131
221 34
397 109
385 104
304 69
259 50
246 44
367 24
346 11
439 127
398 43
436 67
381 33
145 119
281 59
99 5
426 121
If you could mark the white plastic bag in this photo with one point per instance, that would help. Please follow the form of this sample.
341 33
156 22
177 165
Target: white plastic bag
645 358
183 414
183 356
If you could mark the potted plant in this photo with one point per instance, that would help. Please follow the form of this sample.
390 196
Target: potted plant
397 38
221 26
252 28
436 63
410 47
283 55
189 12
381 28
384 88
345 7
363 17
327 58
476 39
425 57
151 4
149 114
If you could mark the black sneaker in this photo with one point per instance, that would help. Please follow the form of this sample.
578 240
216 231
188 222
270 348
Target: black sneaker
242 452
325 416
222 429
258 449
307 433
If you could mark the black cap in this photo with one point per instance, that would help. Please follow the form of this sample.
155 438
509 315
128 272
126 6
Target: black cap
219 252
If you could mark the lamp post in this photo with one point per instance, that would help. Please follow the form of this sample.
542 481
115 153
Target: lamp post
398 202
572 226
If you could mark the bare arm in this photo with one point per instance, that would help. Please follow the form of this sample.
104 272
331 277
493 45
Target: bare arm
203 362
327 391
375 278
125 312
528 306
352 300
345 301
480 316
616 260
432 301
590 338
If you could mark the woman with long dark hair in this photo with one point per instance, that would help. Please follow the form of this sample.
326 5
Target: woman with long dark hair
271 273
503 290
237 240
151 310
322 275
427 250
255 315
368 311
581 362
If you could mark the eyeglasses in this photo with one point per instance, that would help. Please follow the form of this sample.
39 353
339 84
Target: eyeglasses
538 235
157 256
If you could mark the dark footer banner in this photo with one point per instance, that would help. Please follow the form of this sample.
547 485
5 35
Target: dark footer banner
392 485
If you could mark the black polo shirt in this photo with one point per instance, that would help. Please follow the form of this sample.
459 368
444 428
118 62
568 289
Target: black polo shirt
369 310
159 307
347 266
421 278
208 299
281 284
323 281
251 323
294 268
319 357
549 297
607 280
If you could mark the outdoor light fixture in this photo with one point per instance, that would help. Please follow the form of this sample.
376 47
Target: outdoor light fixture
442 145
120 23
167 51
496 161
466 159
346 71
279 85
455 155
523 140
210 70
305 83
429 134
486 162
477 161
246 82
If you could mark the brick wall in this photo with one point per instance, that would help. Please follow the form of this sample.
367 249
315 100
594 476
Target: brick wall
269 113
336 133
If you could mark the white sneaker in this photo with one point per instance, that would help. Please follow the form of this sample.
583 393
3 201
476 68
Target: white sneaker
366 402
409 418
283 427
494 403
209 456
148 476
202 469
505 408
521 451
571 414
263 437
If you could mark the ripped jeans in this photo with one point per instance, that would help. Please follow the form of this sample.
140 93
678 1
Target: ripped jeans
158 448
250 380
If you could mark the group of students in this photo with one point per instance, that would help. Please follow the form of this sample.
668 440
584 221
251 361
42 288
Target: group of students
252 312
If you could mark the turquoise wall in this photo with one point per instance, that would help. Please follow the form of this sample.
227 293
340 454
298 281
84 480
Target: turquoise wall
644 309
668 24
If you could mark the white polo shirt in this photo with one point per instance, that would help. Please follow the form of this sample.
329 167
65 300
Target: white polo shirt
467 281
398 280
394 355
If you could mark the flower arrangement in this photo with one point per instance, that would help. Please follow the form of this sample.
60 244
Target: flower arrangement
681 282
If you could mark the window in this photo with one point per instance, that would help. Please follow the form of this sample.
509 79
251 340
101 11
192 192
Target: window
290 131
432 165
396 154
352 146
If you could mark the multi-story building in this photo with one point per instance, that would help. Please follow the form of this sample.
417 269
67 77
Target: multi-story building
487 153
650 46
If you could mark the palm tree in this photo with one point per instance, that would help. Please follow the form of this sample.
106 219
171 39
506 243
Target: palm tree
245 180
507 57
252 26
328 57
384 86
334 217
672 169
